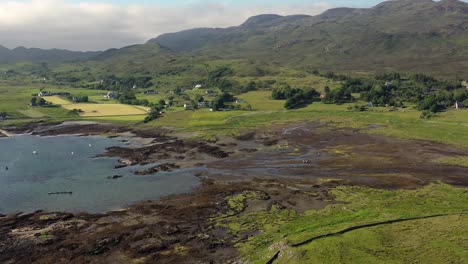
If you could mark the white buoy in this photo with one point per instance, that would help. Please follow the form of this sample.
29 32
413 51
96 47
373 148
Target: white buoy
90 145
73 153
35 152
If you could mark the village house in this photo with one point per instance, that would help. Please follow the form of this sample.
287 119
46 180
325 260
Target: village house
110 95
198 86
44 93
208 92
323 95
188 106
150 92
459 105
203 104
239 101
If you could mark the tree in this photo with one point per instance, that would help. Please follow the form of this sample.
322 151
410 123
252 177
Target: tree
34 101
41 102
154 113
327 89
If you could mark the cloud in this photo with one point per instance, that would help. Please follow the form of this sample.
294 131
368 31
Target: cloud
99 26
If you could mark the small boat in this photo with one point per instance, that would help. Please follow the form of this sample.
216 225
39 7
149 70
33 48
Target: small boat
90 145
73 153
58 193
35 152
6 168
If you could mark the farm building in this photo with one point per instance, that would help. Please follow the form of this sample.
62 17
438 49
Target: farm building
203 104
198 86
149 92
208 92
323 95
188 106
110 95
459 105
45 93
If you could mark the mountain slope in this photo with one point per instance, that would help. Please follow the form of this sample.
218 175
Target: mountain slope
41 55
413 35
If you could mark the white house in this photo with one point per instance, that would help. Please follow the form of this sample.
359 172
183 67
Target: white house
110 95
459 105
198 86
188 106
44 93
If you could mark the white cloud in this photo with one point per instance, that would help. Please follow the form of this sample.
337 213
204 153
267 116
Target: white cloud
94 25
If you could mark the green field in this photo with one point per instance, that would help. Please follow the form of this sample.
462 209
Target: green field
438 239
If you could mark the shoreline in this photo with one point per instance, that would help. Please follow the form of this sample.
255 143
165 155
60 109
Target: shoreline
290 167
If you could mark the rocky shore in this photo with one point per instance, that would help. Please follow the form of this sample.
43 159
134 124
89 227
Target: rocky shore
292 167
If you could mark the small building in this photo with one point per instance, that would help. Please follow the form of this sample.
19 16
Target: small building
388 83
459 105
198 86
110 95
44 93
323 95
188 106
203 104
149 92
239 101
208 92
134 86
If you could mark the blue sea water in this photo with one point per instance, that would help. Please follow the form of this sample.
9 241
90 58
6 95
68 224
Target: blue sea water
68 164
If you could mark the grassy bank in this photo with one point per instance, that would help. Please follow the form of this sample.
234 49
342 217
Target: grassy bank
439 239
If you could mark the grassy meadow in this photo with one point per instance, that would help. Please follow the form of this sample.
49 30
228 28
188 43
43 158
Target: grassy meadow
441 238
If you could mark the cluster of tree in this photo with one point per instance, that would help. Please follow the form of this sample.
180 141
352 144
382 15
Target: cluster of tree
338 96
285 92
124 84
220 101
156 111
295 97
130 98
392 89
442 100
382 95
78 99
38 101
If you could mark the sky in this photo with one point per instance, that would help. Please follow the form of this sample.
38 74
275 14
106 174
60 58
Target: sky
104 24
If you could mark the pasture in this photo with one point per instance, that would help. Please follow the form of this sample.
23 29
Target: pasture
96 110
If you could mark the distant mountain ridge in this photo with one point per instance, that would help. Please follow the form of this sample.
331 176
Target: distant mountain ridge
43 55
405 34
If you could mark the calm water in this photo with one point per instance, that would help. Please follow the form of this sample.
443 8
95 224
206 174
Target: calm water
29 178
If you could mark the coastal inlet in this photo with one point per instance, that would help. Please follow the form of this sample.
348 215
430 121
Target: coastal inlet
62 173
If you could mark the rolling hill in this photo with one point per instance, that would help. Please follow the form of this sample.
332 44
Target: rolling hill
42 55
